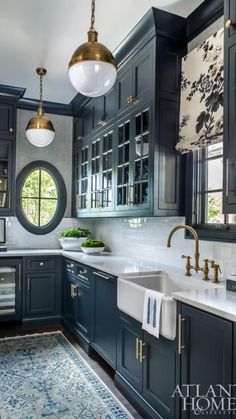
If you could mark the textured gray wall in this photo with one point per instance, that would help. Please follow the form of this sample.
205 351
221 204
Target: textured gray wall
58 153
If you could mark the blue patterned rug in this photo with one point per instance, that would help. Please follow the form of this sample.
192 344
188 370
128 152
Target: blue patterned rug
43 376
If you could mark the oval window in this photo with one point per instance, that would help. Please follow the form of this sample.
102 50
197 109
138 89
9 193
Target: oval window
41 197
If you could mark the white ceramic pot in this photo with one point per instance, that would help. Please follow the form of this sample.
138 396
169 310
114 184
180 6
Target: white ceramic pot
92 250
72 243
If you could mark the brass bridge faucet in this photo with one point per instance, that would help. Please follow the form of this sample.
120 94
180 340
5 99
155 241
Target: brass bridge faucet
196 266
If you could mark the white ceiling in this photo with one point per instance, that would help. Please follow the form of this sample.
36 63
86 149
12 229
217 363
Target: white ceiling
45 33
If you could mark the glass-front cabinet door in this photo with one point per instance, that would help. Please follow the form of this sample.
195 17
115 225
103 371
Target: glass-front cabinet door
10 290
123 186
141 157
81 178
95 178
133 162
5 175
107 171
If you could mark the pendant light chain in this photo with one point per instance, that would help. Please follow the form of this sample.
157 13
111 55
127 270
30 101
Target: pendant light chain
41 95
92 14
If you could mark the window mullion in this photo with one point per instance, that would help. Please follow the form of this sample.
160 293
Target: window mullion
39 217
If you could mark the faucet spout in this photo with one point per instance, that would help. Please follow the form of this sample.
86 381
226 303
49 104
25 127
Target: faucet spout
196 242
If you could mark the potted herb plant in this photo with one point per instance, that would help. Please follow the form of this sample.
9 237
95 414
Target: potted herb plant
92 246
72 238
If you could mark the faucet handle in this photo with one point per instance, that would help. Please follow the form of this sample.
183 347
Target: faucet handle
188 265
212 262
217 269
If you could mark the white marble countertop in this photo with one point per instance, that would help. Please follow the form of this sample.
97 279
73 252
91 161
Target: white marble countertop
214 300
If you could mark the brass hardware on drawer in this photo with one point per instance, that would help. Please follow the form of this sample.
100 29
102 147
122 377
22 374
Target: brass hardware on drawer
229 24
73 288
102 276
11 130
101 122
137 348
131 99
180 322
41 264
141 346
83 272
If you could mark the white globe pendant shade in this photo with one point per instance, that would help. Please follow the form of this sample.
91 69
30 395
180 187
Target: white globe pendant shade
92 68
93 78
40 131
40 137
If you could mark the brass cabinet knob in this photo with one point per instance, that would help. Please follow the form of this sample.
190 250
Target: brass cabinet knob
11 130
229 24
131 99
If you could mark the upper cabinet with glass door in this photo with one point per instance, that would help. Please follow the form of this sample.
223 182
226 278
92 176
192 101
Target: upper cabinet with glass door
7 157
133 167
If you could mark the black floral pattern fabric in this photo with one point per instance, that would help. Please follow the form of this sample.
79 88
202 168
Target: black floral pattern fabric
202 90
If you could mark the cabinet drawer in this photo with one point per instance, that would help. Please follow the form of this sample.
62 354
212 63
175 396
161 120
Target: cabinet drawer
40 264
78 271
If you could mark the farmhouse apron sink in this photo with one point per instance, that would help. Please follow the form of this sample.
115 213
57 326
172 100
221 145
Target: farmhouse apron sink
131 291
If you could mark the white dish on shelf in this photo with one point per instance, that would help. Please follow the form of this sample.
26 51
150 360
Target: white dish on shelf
92 250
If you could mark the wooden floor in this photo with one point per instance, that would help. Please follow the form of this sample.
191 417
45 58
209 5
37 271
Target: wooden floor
97 364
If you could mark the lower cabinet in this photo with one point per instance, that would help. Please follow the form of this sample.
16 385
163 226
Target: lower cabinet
42 290
40 294
77 300
104 321
150 366
207 355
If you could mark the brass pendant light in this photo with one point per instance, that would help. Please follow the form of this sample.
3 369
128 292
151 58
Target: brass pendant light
40 131
92 68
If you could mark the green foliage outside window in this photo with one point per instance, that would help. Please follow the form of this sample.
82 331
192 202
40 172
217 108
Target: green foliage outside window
39 197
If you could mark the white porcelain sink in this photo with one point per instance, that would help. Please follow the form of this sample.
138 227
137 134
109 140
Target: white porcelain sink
131 292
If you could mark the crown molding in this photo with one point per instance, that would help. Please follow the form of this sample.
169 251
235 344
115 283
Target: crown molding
49 107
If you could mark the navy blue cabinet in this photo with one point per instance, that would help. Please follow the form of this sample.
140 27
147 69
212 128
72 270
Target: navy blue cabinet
77 299
104 322
207 356
7 156
161 375
40 294
128 363
7 119
42 290
148 366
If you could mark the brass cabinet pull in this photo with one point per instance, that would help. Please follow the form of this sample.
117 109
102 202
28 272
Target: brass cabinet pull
11 130
41 264
180 346
141 345
137 348
229 24
101 122
131 99
73 293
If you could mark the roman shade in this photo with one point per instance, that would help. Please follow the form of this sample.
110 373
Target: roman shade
202 86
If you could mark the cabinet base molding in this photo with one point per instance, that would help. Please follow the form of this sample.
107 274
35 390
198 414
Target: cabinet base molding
41 321
139 403
82 340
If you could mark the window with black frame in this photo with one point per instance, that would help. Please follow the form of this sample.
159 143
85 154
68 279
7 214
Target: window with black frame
208 202
41 197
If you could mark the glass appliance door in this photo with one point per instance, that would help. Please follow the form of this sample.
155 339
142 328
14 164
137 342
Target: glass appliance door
7 291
